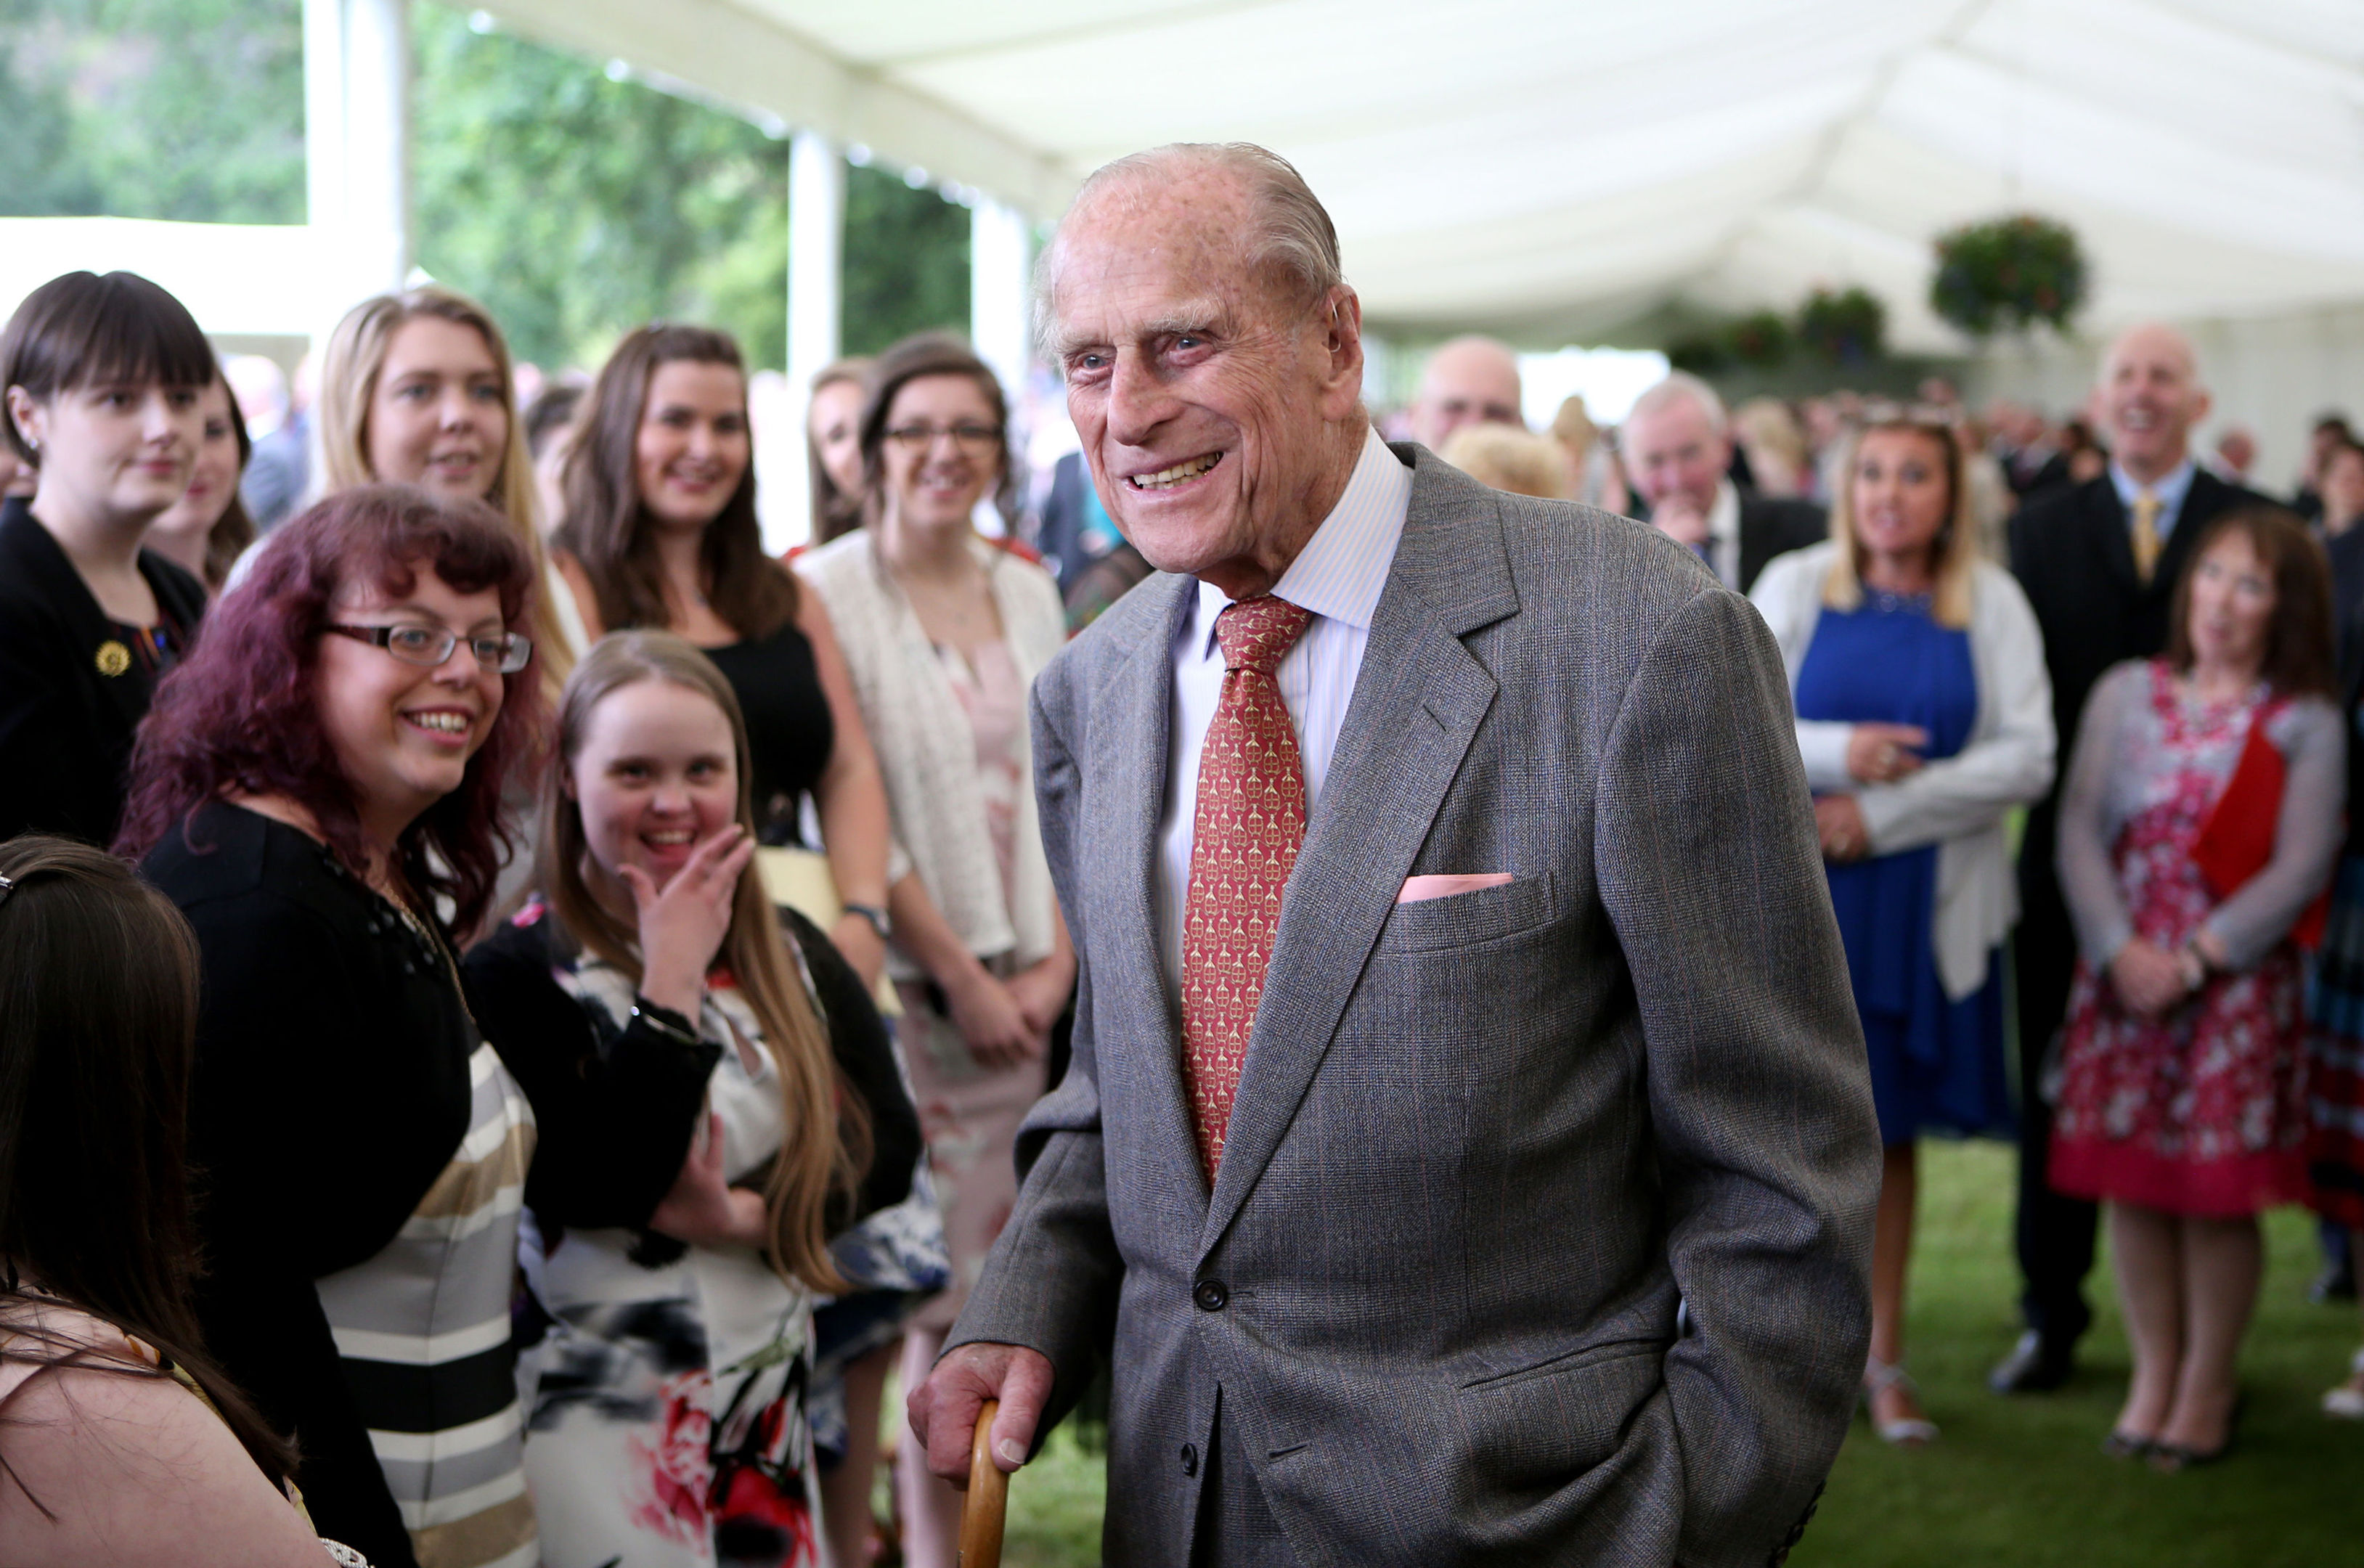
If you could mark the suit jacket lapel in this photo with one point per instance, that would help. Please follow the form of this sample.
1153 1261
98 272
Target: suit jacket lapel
1417 703
1132 724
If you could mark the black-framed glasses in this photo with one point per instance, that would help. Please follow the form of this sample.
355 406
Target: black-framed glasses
429 646
975 439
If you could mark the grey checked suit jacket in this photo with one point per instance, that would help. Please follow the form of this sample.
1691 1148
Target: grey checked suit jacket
1484 1145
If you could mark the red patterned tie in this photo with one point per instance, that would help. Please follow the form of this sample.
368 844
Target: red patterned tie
1245 837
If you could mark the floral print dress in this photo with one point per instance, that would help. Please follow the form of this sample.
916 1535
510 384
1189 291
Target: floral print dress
2202 1112
670 1429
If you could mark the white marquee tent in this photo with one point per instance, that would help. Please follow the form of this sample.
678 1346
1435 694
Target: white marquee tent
1548 169
1555 168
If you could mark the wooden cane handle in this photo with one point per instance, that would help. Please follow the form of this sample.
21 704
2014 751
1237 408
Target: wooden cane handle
988 1498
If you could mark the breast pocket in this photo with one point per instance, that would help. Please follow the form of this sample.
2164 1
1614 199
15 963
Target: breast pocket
1471 919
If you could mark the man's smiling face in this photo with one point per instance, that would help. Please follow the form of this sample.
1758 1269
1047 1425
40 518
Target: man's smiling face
1203 392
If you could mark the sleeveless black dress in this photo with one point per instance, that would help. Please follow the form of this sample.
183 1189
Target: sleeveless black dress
789 731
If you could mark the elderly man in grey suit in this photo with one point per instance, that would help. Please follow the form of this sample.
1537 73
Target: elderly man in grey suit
1468 1155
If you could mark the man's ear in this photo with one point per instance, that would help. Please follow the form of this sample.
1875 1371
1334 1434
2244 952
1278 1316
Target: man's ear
1340 325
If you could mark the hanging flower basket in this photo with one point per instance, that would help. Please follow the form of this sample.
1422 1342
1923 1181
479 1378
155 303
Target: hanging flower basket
2008 273
1844 329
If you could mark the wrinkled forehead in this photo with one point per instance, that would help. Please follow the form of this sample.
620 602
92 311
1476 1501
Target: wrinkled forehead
1144 249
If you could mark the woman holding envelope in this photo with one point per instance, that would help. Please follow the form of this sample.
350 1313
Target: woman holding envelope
2198 826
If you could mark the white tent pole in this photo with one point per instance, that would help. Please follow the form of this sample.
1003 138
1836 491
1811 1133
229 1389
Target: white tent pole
816 303
998 255
357 144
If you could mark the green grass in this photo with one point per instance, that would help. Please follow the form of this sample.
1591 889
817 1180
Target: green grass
2013 1482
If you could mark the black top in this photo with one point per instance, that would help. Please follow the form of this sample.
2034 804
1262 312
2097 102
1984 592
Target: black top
789 731
332 1089
1772 526
74 684
2347 553
528 1015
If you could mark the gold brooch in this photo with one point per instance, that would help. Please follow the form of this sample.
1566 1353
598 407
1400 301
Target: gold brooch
113 658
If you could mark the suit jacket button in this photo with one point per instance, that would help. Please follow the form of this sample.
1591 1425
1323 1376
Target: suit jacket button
1190 1459
1213 1296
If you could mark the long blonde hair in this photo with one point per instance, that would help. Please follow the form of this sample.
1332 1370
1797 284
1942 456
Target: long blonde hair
350 368
826 1146
1954 553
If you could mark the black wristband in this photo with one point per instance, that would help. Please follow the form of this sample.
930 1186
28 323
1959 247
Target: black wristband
665 1021
875 917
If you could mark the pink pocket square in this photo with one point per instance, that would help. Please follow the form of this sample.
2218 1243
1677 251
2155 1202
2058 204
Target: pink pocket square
1420 889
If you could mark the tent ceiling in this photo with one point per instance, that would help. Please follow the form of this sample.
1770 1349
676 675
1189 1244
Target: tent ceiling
1549 168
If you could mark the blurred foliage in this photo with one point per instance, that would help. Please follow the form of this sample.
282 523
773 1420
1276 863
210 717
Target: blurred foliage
2008 273
1844 329
1849 327
906 261
576 207
189 109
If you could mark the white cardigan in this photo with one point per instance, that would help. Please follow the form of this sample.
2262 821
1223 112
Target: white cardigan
925 749
1959 802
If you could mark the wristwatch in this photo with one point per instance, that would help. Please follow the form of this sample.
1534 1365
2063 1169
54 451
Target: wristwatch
876 917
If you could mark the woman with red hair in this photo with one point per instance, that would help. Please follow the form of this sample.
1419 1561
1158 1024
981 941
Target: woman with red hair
318 788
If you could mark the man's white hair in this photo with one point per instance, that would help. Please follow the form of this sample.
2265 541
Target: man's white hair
1290 231
1678 386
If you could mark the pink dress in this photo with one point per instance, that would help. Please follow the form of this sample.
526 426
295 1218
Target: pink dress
2202 1112
970 1113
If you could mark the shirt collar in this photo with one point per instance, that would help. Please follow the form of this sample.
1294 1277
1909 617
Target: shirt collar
2170 491
1343 567
1724 517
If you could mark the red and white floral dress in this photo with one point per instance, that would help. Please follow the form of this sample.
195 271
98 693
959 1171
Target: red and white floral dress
2202 1112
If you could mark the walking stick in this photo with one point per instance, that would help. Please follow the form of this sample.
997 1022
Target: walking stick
988 1498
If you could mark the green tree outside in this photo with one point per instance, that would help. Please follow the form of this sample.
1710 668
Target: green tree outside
576 204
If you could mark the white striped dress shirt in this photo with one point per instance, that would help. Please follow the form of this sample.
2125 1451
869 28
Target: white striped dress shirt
1338 576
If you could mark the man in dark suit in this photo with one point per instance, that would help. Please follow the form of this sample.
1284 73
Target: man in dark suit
2099 561
1468 1156
1676 443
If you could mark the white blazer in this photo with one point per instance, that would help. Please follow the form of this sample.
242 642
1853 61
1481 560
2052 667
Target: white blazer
1958 802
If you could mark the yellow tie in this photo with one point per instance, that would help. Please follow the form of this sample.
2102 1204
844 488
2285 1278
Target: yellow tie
2147 539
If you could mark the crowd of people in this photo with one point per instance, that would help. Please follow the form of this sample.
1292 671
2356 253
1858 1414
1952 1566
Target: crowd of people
568 1032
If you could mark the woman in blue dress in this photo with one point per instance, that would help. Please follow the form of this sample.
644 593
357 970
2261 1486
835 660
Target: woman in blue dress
1923 718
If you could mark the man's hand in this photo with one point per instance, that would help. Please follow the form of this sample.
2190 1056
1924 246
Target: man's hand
1680 520
943 1409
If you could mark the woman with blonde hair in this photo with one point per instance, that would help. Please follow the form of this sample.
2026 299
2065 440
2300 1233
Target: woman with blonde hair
669 1427
1923 717
833 449
419 388
1506 458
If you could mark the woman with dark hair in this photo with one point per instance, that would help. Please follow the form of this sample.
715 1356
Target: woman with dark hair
103 378
123 1443
661 534
206 529
945 634
2199 822
833 449
670 1426
318 790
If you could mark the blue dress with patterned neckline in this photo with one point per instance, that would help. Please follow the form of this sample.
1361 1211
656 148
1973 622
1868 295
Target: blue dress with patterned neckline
1937 1063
